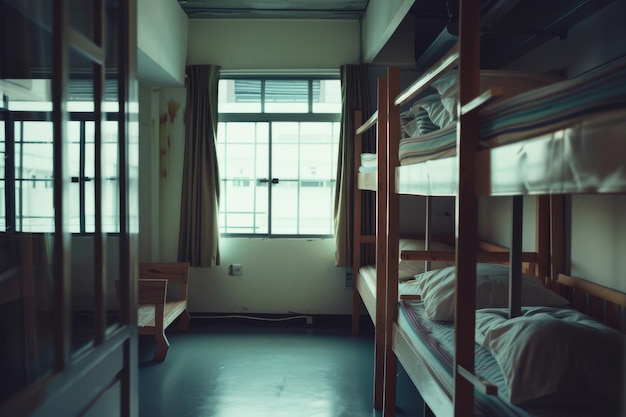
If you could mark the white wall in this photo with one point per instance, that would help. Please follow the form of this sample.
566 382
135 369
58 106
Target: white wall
599 239
162 42
149 173
280 276
273 44
381 20
598 229
495 221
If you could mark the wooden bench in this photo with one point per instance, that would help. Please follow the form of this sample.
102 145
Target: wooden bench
155 311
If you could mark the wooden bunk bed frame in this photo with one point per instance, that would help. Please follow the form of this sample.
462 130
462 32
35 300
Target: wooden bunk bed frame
380 306
374 303
473 180
471 168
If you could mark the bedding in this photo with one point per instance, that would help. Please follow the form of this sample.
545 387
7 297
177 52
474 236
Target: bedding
492 290
434 342
511 82
369 160
368 168
560 105
554 357
431 111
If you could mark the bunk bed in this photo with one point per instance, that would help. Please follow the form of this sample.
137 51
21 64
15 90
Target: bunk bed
416 254
369 266
544 160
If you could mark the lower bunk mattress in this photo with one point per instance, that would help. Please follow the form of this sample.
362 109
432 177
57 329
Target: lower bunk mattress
434 343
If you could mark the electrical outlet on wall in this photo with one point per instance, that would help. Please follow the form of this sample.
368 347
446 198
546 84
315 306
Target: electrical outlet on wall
235 269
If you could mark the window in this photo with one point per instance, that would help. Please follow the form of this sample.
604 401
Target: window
277 147
26 155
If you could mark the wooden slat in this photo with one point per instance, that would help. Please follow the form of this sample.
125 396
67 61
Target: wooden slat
486 98
172 271
152 291
448 61
595 307
605 293
600 302
410 297
171 310
613 315
494 257
481 384
176 272
368 124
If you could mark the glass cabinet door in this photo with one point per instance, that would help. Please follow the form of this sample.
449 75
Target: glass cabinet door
67 139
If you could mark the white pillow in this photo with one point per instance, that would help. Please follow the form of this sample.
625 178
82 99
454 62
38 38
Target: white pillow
435 109
511 82
492 290
407 269
554 356
423 121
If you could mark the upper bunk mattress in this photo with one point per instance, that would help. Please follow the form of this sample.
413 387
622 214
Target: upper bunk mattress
531 114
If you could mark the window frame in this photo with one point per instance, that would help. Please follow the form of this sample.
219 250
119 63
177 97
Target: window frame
272 117
13 220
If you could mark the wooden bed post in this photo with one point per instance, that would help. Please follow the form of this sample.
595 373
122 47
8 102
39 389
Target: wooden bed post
542 238
356 226
557 236
515 258
466 206
381 244
393 238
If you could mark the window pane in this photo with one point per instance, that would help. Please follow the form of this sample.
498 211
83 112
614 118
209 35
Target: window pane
110 194
328 97
285 208
73 163
33 175
316 208
110 176
239 96
287 96
243 153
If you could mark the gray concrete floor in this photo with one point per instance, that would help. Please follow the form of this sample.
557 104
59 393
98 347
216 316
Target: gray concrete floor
253 369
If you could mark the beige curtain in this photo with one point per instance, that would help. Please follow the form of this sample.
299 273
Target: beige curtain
198 240
355 95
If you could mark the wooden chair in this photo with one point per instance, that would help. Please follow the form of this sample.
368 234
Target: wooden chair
155 311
